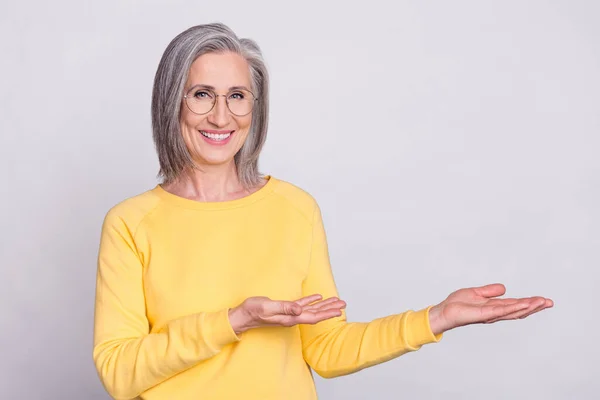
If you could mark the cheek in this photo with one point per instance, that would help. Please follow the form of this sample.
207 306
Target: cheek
188 123
186 133
243 129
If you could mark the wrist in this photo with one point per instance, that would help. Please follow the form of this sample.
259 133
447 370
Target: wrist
436 322
239 320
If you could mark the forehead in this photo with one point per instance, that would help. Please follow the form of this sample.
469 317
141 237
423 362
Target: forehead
221 70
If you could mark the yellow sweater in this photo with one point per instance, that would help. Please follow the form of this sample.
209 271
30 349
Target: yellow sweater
169 269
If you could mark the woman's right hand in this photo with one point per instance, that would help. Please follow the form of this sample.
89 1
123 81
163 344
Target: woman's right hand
256 312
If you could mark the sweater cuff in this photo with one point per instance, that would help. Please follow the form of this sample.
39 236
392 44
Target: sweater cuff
418 329
222 332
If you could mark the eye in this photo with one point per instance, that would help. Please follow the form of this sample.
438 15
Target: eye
203 94
237 96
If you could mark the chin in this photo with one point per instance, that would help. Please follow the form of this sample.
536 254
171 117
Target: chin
213 159
208 155
216 162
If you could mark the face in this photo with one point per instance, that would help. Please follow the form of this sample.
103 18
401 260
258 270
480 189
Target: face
215 137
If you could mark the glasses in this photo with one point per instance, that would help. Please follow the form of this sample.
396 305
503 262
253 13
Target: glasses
201 101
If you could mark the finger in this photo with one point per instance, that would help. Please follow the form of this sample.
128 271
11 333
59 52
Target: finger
313 318
502 302
272 308
304 301
534 305
494 312
507 301
493 290
538 305
320 304
514 315
536 310
338 305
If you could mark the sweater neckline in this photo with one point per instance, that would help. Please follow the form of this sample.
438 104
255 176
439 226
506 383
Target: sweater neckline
216 205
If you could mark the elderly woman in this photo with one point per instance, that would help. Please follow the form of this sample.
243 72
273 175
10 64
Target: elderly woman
216 283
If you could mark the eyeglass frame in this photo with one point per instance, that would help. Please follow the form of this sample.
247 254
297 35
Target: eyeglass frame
185 96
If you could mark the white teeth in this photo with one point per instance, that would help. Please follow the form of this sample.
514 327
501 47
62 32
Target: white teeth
216 136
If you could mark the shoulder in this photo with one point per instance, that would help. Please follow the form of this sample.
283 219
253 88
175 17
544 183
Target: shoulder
130 212
297 197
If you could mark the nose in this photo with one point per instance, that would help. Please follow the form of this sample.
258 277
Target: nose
219 115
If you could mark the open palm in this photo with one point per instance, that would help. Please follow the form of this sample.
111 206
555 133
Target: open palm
307 310
482 305
261 311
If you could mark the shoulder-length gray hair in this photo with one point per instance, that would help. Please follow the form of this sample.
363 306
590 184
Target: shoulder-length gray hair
167 95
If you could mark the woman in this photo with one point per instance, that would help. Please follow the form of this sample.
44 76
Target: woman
216 284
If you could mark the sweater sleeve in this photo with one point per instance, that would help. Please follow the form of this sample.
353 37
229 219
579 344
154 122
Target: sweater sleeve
129 359
336 347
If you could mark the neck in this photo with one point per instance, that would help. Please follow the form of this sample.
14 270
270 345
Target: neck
209 184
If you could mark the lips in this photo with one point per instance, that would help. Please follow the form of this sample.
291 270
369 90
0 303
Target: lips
216 137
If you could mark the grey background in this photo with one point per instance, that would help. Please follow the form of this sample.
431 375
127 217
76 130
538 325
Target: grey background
449 144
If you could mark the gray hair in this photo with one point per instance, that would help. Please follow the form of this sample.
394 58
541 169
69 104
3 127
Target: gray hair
169 81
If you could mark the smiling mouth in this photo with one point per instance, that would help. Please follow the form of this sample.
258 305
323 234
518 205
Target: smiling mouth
216 136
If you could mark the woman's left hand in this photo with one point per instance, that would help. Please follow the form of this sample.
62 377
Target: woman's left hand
480 305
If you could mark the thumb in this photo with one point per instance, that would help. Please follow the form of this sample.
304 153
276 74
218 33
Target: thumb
290 308
490 291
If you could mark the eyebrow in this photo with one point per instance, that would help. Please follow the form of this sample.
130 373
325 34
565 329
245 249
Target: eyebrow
200 85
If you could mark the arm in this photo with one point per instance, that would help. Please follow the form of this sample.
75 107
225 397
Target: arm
335 347
128 358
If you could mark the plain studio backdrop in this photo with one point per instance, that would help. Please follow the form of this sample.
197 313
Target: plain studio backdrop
449 144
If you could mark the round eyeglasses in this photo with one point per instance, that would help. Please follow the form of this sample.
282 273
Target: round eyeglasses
202 100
